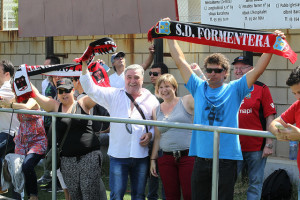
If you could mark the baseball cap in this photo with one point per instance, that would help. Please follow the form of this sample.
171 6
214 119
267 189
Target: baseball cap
65 83
242 59
119 54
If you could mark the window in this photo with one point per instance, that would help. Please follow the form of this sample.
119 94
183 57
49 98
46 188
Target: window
9 14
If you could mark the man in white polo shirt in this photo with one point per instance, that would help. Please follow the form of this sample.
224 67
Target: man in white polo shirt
128 143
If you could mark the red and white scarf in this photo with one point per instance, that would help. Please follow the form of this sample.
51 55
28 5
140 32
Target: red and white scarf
97 70
227 37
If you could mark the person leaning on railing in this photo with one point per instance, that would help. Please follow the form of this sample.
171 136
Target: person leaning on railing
216 104
290 116
80 156
175 166
31 141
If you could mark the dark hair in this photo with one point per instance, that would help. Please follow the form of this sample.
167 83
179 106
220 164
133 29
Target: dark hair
8 67
163 67
53 60
76 78
294 77
218 59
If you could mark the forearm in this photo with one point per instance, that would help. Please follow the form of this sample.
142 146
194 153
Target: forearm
84 68
148 61
259 68
180 61
27 106
46 103
155 147
269 120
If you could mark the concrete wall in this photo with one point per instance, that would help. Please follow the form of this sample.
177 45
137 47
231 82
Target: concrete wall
32 51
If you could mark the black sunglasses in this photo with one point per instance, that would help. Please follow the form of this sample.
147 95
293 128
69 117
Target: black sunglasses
217 71
67 91
154 73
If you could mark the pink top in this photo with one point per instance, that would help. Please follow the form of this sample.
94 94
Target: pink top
31 137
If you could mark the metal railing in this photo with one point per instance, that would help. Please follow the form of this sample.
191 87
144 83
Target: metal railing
215 129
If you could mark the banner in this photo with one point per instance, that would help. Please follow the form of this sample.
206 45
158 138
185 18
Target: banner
226 37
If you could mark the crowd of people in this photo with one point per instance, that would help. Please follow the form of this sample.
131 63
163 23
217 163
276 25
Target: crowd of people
181 158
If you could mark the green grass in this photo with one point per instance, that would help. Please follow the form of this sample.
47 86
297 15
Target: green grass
240 189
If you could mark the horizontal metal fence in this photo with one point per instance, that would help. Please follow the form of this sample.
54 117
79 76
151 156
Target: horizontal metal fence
215 129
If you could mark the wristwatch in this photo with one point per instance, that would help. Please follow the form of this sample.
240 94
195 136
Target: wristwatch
270 146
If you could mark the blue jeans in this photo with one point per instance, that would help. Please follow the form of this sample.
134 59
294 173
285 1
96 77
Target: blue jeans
256 166
31 160
202 179
120 168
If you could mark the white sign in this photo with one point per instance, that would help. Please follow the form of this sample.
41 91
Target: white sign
252 14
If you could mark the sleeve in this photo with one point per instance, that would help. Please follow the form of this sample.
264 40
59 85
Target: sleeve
101 95
267 102
242 87
289 116
193 83
6 91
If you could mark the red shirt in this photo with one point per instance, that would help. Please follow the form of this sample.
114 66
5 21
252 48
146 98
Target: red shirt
254 110
292 116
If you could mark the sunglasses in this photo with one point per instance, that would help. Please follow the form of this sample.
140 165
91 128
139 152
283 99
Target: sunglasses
67 91
217 71
154 73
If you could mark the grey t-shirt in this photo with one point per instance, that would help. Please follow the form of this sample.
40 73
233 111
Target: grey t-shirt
172 139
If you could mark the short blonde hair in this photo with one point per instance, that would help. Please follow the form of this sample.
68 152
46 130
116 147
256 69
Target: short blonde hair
169 78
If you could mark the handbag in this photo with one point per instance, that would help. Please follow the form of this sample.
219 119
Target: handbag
48 157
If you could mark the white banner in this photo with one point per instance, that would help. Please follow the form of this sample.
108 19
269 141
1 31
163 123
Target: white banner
252 14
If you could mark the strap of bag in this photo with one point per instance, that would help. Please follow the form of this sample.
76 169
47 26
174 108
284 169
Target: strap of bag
68 128
138 108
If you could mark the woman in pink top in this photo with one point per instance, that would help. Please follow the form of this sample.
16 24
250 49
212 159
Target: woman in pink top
31 141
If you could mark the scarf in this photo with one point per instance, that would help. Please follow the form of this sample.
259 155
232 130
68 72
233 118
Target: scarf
97 70
22 85
102 46
226 37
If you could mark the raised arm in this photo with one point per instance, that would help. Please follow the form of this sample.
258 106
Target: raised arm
150 58
261 65
84 68
87 103
48 104
179 59
259 68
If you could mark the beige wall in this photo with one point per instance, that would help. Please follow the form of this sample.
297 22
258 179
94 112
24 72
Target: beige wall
32 51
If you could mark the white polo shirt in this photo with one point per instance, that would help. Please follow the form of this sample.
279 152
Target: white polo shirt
121 143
